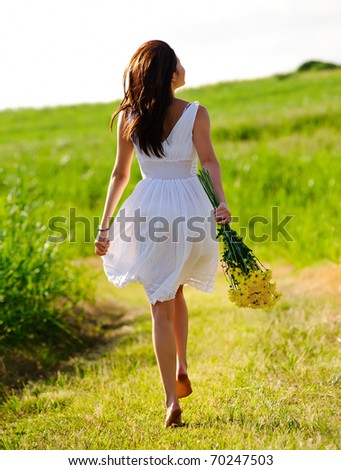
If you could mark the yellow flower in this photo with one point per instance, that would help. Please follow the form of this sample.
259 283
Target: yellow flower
253 290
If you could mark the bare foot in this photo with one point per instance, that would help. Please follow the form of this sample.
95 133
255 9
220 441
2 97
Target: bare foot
183 386
173 417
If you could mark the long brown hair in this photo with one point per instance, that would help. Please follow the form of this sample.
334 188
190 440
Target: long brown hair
147 95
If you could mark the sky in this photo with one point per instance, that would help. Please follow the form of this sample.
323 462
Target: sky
58 52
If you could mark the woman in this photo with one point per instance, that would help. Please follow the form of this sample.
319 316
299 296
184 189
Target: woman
167 135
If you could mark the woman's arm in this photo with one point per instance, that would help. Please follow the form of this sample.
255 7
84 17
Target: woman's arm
118 182
208 160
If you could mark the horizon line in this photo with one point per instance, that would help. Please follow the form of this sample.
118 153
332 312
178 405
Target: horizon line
280 75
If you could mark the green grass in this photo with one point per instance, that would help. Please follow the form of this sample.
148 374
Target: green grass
261 381
277 142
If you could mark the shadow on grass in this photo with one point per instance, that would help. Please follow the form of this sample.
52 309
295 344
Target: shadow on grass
96 328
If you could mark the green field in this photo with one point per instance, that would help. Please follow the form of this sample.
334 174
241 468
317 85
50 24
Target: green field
261 380
278 142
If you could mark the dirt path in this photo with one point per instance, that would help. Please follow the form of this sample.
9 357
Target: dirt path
323 281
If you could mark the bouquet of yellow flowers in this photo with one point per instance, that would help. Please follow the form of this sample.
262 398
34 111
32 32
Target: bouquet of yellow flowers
249 280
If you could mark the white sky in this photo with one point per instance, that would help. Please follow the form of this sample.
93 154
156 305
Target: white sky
74 51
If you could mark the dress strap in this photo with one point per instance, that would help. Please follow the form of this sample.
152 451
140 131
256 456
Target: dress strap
190 118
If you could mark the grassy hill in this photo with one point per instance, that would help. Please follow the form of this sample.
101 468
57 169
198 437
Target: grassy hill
261 380
277 141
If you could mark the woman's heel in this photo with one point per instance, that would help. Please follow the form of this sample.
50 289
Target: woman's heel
173 417
183 386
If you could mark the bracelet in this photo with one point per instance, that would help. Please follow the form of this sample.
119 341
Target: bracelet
100 229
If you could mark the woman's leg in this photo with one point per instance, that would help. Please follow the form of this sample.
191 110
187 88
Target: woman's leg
165 347
183 384
181 331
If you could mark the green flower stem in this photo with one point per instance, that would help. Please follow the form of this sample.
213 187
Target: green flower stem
239 258
235 253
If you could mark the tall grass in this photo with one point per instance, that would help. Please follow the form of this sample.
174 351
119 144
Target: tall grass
39 288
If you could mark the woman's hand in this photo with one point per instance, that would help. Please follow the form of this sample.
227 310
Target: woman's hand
101 245
222 214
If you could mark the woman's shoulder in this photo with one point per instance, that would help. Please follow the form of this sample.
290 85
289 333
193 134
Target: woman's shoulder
202 120
202 113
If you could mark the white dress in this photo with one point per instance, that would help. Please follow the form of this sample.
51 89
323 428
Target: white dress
164 233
